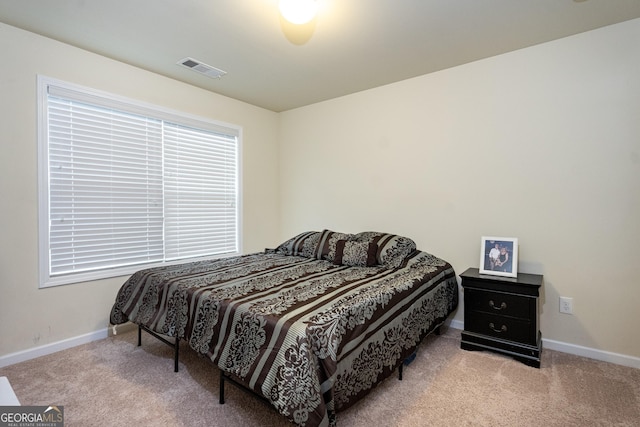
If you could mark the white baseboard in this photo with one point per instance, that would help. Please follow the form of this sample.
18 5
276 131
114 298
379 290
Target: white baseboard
32 353
591 353
456 324
578 350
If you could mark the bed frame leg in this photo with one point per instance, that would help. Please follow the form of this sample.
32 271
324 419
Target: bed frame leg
221 388
409 359
175 345
175 355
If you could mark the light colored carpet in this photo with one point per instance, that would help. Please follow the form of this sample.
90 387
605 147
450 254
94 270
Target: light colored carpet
113 382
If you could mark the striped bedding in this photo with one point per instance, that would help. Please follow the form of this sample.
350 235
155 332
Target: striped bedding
310 334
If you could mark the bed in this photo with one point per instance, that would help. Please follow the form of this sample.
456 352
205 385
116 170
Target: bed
311 326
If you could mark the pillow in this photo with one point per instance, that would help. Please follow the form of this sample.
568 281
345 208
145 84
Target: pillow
392 249
304 244
326 248
355 254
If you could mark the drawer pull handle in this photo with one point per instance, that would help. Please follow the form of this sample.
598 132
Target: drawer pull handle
493 328
503 305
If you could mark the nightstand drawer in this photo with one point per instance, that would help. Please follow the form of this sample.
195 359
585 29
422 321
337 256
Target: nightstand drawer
506 328
498 303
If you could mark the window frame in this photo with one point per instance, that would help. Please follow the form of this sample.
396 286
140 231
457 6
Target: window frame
102 98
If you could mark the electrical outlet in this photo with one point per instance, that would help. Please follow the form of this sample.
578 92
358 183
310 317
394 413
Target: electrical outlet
566 305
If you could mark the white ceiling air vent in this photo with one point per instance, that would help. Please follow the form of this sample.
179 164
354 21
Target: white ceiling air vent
202 68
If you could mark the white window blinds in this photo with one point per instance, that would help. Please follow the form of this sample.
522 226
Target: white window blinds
127 185
200 192
105 187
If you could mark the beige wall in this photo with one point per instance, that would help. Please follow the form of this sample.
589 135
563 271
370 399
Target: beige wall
542 144
32 317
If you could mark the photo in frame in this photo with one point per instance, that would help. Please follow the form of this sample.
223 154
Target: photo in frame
499 256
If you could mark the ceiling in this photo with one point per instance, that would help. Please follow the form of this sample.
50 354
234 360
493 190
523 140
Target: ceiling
352 45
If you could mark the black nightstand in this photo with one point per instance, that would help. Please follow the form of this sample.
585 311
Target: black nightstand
501 314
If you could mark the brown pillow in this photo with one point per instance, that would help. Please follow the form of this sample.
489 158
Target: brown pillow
326 248
355 254
393 250
304 244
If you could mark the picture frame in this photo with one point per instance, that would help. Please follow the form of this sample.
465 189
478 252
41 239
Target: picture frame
499 256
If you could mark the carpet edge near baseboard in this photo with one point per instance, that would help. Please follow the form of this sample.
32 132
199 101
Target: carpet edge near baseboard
32 353
54 347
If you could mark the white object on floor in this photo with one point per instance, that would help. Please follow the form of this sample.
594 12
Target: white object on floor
7 396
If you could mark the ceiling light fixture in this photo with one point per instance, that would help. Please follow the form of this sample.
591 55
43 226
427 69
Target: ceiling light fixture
298 11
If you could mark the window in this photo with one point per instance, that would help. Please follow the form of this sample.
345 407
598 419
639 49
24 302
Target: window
124 185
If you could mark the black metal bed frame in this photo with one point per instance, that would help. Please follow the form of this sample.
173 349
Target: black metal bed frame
226 377
175 345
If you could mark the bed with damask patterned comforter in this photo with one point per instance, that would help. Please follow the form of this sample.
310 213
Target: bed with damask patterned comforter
312 325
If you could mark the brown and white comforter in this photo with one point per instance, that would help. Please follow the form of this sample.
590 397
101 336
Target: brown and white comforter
312 325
